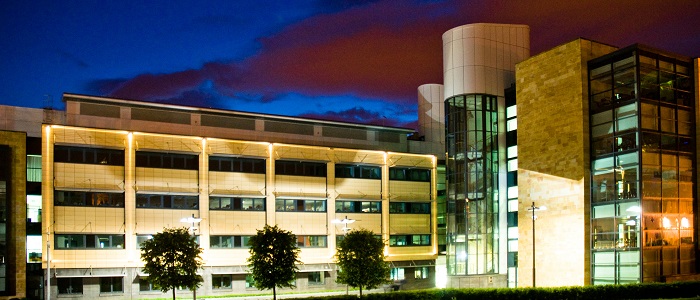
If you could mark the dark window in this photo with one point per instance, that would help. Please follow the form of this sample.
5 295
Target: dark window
221 281
70 285
358 206
316 278
236 203
300 205
89 241
409 207
167 201
410 240
409 174
300 168
111 285
146 286
85 155
229 241
75 198
147 159
358 171
236 164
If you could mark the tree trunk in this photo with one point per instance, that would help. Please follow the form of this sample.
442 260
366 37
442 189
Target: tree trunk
173 293
360 291
274 292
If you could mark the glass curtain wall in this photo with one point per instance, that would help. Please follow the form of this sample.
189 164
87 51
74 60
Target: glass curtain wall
642 199
472 184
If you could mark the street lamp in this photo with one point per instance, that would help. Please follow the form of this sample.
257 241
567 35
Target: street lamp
533 209
194 221
346 229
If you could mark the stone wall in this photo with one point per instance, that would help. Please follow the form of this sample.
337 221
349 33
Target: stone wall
554 164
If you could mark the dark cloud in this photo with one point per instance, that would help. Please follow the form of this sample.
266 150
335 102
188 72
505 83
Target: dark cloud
386 49
355 115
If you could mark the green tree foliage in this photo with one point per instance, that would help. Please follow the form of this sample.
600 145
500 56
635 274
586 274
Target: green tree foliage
360 256
172 259
274 255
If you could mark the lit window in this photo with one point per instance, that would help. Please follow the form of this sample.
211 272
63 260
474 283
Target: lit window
421 273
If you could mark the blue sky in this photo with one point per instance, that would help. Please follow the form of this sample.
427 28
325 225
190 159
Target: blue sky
356 61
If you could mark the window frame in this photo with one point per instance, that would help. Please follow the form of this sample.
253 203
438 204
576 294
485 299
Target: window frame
236 203
88 199
88 155
166 160
301 205
216 278
408 240
88 241
72 283
410 207
160 201
111 284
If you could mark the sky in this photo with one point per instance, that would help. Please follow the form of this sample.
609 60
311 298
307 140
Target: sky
340 60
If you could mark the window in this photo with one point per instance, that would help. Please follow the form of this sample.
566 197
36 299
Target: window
300 205
85 155
89 241
420 273
34 168
311 241
409 207
397 274
236 164
300 168
229 241
75 198
146 286
249 281
316 278
358 206
142 238
69 286
167 160
167 201
111 285
409 174
358 171
236 203
410 240
221 281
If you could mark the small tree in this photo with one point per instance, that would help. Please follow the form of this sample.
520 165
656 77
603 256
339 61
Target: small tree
273 257
172 259
360 256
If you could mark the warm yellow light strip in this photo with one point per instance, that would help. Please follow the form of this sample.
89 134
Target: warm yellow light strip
89 129
237 141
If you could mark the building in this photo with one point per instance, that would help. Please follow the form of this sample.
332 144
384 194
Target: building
114 172
607 142
479 65
603 137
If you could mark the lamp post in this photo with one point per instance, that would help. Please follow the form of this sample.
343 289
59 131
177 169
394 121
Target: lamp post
533 209
194 221
346 229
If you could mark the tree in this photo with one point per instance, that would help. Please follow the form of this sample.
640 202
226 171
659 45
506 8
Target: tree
172 259
360 256
274 255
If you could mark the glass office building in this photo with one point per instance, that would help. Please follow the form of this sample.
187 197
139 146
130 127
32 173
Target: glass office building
643 161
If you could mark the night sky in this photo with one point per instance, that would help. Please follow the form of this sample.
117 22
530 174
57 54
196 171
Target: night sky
355 61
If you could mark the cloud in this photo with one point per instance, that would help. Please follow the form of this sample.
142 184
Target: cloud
359 115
